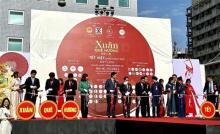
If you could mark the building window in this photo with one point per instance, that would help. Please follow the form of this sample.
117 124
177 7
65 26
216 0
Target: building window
124 3
16 17
81 1
102 2
15 44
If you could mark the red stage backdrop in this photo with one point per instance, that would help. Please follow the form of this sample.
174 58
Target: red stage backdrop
99 46
79 43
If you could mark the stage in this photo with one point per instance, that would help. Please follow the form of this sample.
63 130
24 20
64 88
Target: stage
118 126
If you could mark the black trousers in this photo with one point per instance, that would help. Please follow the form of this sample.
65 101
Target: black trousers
30 97
156 110
177 106
84 106
214 100
126 102
156 106
52 98
70 97
144 105
111 107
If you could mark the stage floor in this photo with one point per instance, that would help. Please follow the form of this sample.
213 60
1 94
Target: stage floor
176 120
118 126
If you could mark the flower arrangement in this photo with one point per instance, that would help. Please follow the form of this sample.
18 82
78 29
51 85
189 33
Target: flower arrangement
3 82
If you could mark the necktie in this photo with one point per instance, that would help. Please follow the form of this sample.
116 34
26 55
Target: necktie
211 87
32 80
70 83
51 83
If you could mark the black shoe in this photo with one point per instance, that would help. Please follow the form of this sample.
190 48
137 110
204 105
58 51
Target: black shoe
113 116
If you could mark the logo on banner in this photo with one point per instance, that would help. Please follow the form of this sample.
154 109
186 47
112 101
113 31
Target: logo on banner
25 110
70 110
207 110
98 30
109 30
89 30
48 110
122 32
64 68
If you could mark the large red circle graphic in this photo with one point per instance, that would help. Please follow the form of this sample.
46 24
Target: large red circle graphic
99 46
16 61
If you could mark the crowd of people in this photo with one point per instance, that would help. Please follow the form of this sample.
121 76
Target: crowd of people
181 97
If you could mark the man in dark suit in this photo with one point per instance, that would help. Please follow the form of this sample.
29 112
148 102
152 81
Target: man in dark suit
180 90
126 90
142 89
111 85
51 87
156 94
211 91
147 84
32 84
70 87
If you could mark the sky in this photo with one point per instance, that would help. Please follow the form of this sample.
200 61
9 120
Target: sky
173 9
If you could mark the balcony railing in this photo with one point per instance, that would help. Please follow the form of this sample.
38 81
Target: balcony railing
199 9
206 29
205 18
206 40
207 51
